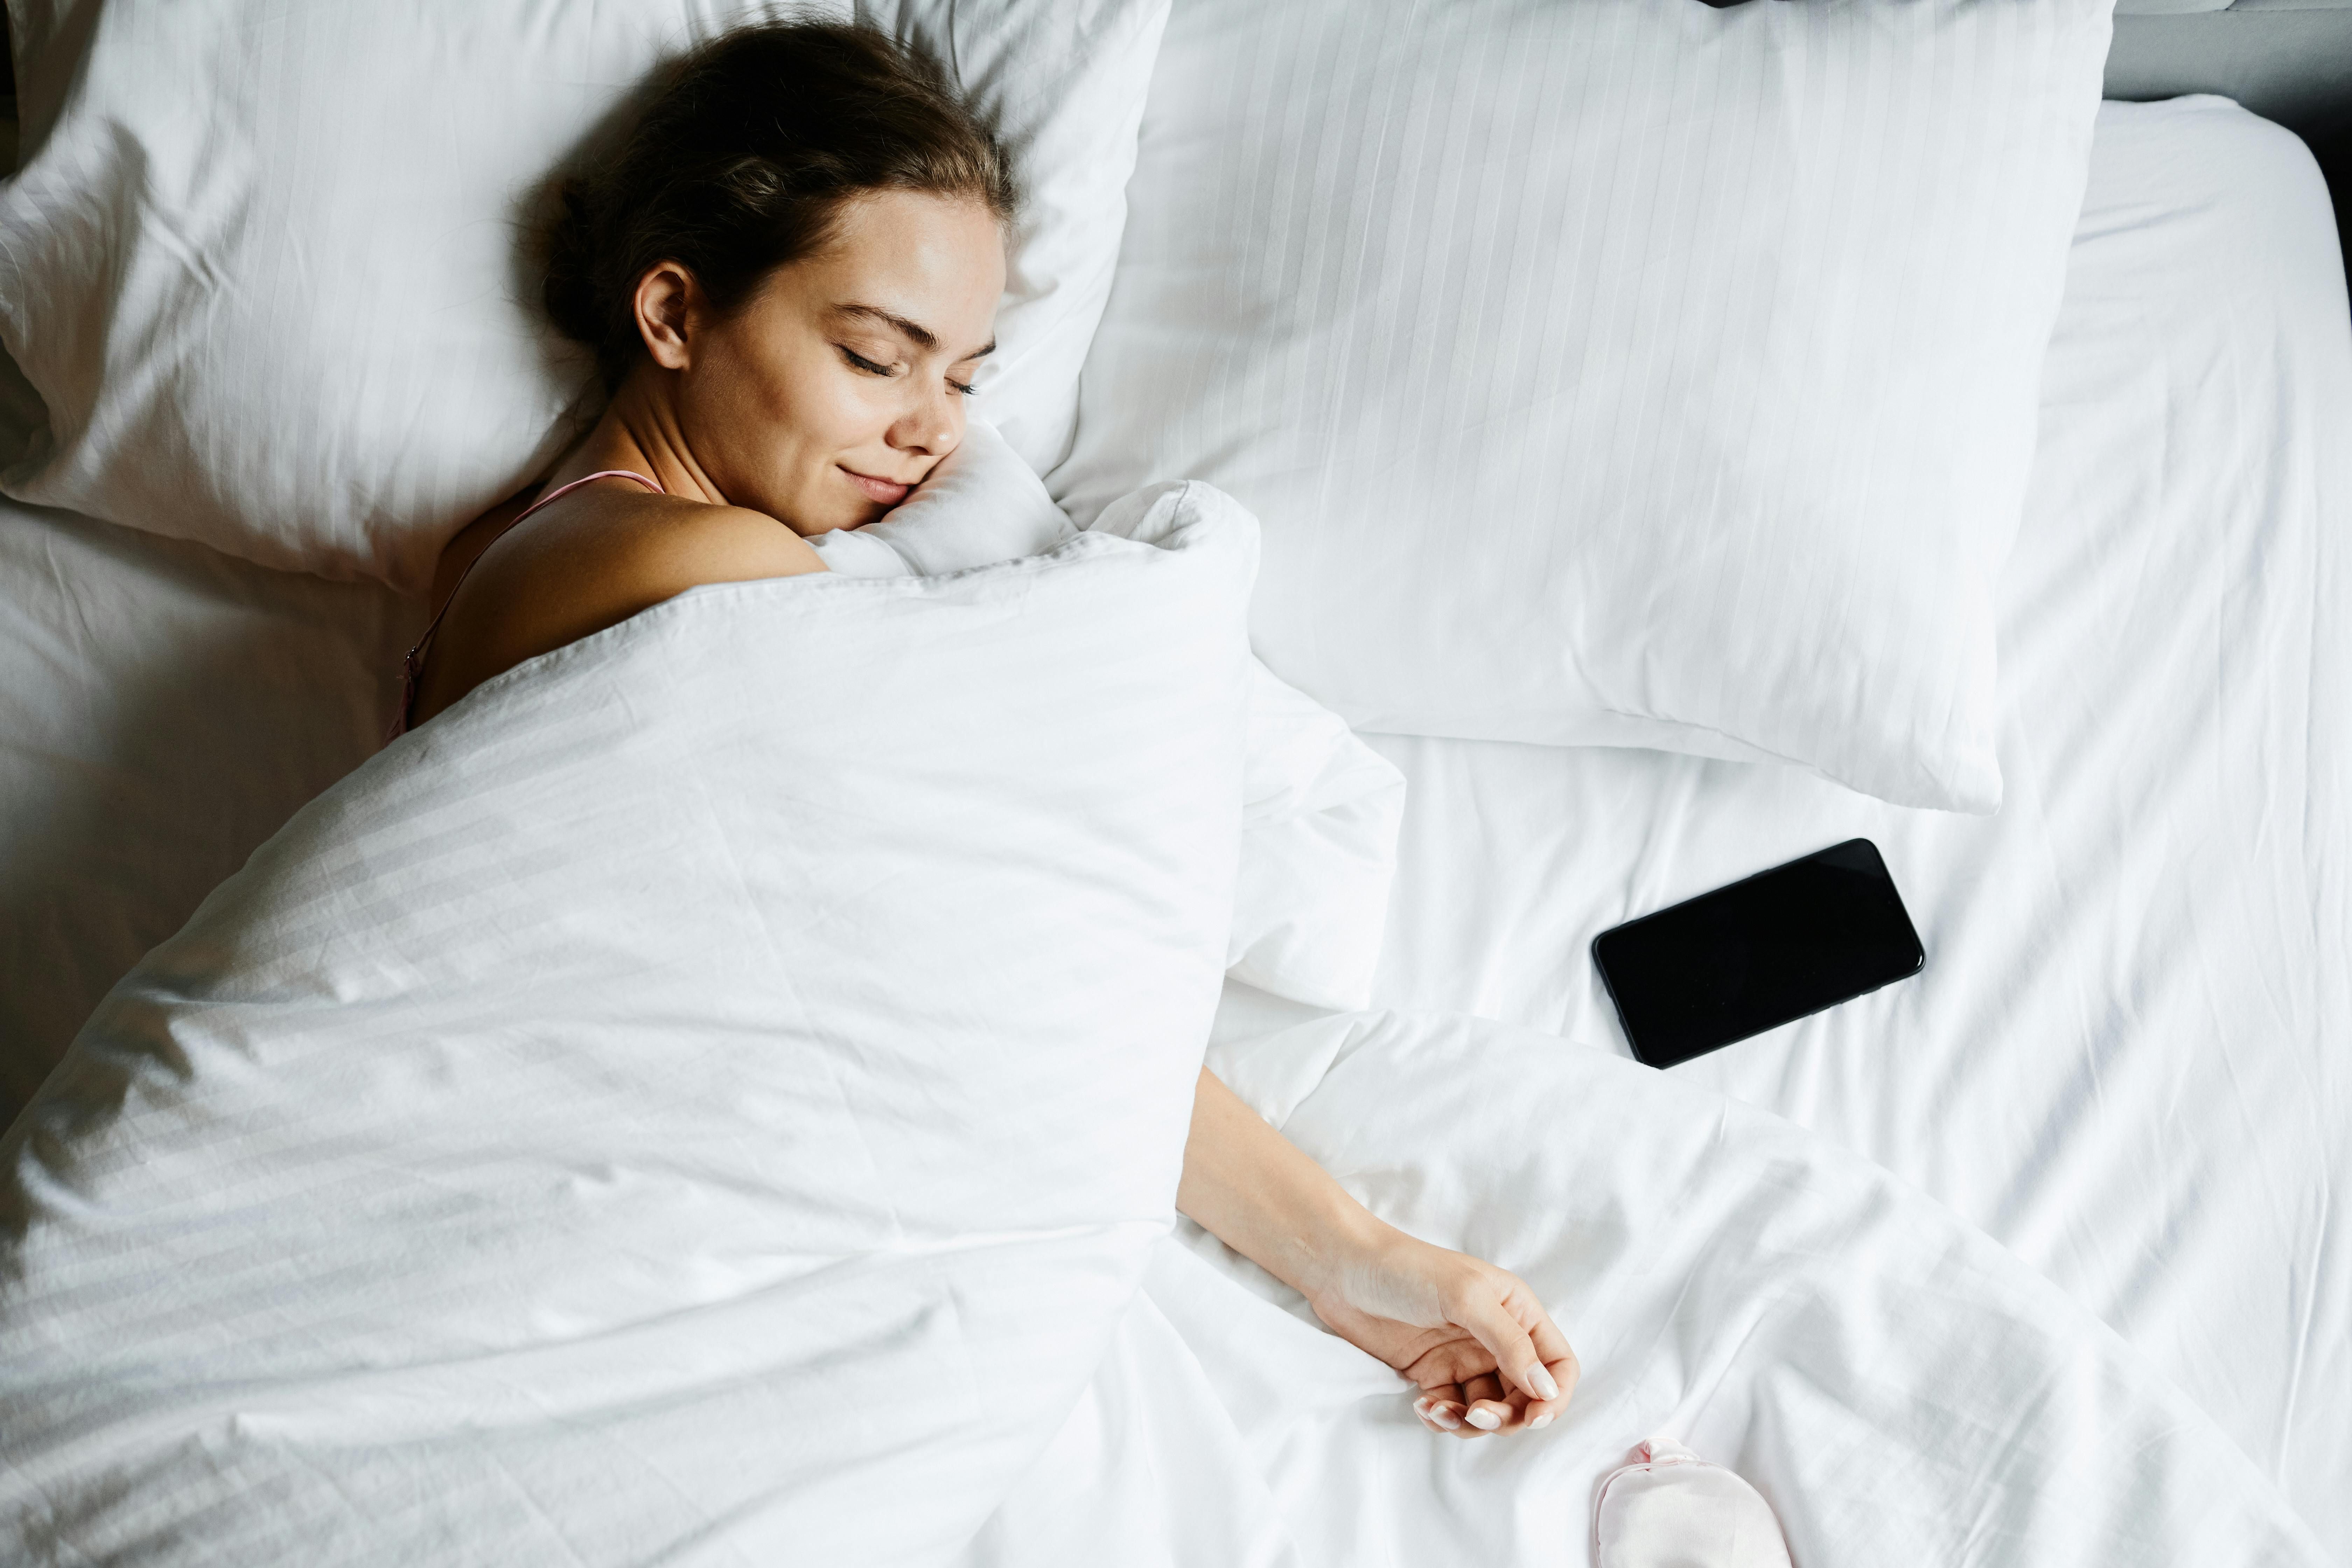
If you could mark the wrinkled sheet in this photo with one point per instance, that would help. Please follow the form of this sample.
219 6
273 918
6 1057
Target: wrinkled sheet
707 1098
2129 1057
1899 1388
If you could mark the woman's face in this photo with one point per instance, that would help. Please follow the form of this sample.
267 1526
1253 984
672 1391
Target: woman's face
840 384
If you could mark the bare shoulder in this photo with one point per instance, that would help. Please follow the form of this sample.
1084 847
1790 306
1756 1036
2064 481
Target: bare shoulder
671 545
592 562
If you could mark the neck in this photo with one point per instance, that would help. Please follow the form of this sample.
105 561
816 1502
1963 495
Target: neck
639 430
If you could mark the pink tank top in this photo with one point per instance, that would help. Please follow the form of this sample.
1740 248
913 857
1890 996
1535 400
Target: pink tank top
412 664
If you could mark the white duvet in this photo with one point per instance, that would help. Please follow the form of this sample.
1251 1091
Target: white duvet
707 1098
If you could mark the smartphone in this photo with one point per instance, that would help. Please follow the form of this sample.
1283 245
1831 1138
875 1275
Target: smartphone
1758 954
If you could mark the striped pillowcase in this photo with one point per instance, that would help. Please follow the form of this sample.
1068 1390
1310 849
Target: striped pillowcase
1624 372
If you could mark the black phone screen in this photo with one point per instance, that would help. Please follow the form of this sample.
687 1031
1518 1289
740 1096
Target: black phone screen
1758 954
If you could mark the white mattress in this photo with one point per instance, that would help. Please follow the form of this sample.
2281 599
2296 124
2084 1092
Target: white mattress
2129 1058
2130 1055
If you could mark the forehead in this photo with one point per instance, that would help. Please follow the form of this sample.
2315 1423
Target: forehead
934 259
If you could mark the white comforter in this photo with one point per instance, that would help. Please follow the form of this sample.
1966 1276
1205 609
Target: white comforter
707 1097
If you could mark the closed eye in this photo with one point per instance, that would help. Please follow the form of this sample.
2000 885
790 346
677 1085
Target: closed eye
963 389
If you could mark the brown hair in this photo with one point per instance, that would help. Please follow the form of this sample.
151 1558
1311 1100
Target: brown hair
749 148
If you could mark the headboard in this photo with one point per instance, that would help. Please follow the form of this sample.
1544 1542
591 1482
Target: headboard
2288 60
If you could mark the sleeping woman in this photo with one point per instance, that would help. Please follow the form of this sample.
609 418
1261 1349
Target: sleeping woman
789 275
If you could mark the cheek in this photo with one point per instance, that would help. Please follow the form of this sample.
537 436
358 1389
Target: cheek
823 410
811 414
771 424
789 399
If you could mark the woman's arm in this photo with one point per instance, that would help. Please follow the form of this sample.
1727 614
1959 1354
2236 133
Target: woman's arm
1472 1336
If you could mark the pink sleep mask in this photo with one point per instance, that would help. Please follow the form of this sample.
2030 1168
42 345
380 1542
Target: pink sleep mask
1670 1509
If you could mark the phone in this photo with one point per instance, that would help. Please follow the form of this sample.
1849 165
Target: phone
1758 954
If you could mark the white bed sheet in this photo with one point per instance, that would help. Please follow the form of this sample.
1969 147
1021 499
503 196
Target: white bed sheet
163 709
2130 1055
1901 1389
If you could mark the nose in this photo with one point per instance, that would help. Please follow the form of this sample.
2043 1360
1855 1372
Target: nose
930 426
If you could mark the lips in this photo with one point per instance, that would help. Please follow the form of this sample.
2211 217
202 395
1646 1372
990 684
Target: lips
885 492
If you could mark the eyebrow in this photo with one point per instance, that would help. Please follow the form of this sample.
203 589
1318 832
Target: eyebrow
916 333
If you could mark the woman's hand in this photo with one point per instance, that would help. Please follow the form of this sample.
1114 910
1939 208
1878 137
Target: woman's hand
1486 1355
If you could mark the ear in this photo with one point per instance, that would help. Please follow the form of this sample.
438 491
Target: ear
666 298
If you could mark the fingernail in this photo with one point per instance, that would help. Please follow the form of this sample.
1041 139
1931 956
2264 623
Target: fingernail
1539 1422
1444 1418
1485 1420
1540 1384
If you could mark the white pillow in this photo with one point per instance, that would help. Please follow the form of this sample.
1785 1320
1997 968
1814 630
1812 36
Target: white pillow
1626 372
264 263
1321 809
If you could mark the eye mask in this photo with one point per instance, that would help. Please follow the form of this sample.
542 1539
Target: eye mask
1670 1509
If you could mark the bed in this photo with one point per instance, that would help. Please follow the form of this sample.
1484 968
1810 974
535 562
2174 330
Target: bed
2124 1064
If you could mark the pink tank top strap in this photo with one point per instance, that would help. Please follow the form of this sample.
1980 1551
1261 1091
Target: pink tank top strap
560 492
412 664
